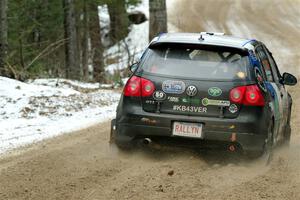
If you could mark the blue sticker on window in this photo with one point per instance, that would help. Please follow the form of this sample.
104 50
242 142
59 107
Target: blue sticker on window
173 87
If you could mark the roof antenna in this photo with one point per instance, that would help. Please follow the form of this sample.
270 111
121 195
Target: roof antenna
201 37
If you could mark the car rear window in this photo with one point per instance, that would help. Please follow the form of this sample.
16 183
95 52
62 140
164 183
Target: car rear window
212 63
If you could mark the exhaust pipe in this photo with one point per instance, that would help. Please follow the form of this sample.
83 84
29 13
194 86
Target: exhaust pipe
147 141
231 148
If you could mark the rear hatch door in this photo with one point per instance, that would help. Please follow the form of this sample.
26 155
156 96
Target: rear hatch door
194 80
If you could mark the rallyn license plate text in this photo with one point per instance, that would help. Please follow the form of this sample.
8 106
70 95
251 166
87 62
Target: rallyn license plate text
187 129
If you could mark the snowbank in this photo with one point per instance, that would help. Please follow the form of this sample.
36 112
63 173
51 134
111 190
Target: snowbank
43 108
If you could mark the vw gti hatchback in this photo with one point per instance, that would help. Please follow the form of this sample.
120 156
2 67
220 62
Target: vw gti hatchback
206 87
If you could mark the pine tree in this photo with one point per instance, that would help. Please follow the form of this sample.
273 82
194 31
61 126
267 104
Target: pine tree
118 19
158 17
72 55
3 35
97 47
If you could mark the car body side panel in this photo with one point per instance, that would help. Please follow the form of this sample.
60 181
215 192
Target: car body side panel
276 106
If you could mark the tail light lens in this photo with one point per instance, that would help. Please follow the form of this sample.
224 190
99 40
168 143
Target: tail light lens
136 87
132 87
237 94
249 95
253 96
147 87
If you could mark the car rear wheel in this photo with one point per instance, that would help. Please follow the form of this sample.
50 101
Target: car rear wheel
123 146
267 152
269 145
287 131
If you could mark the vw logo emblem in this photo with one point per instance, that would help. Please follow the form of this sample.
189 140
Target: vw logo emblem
191 91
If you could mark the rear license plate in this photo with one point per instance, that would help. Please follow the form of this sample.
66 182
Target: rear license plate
183 129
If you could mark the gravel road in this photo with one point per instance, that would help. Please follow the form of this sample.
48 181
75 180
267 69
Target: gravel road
82 165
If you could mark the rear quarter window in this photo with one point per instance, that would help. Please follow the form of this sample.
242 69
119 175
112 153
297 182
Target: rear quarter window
197 63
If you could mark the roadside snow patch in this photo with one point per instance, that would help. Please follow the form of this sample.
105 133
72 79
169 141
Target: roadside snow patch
40 109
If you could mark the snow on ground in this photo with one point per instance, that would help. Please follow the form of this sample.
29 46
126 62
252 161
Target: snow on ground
43 108
40 109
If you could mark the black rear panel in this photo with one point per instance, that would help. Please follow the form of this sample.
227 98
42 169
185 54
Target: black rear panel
204 103
194 80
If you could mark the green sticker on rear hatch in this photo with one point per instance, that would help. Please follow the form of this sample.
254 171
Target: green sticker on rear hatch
214 91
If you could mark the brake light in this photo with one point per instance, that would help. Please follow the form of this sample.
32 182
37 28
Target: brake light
147 87
254 96
249 95
136 87
133 87
237 94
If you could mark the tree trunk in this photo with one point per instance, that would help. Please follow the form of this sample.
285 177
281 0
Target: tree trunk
158 18
71 49
118 19
3 36
85 41
96 43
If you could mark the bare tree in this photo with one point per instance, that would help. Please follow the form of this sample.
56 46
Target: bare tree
3 35
97 47
72 54
158 18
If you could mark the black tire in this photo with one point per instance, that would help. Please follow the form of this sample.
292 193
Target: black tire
269 145
123 146
267 152
288 131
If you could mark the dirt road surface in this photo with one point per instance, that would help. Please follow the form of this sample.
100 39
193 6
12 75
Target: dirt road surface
81 165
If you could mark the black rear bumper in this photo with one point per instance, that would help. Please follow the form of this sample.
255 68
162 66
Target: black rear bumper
128 132
250 132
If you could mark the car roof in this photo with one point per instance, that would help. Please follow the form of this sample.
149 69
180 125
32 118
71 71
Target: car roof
205 39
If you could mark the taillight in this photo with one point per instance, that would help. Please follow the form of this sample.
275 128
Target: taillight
133 87
237 94
136 87
249 95
147 87
253 96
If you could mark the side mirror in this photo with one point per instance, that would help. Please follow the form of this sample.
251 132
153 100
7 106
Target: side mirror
133 67
288 79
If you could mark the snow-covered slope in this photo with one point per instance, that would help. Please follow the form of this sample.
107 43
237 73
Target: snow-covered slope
44 108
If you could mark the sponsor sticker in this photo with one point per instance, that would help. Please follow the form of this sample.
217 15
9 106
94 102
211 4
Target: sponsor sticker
173 87
190 100
159 95
213 102
214 91
173 99
259 79
193 109
233 108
